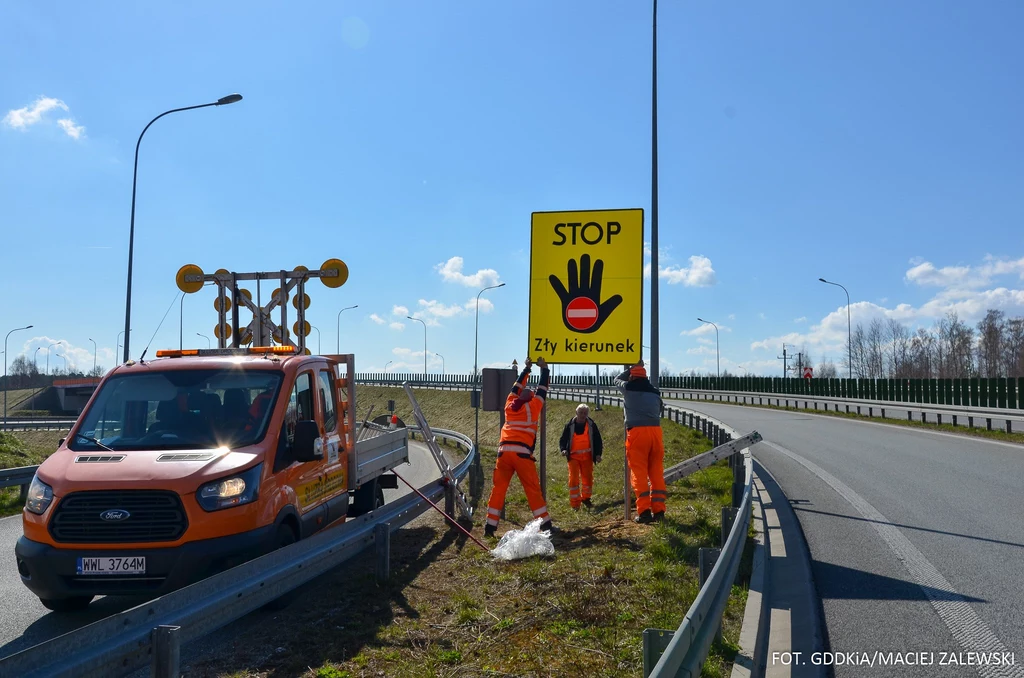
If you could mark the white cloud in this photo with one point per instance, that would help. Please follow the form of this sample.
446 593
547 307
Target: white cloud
762 316
704 328
23 118
699 274
705 340
397 326
400 311
926 274
732 316
430 311
451 271
701 350
801 319
377 319
70 128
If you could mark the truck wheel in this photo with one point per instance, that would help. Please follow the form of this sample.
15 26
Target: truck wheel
71 604
367 498
285 537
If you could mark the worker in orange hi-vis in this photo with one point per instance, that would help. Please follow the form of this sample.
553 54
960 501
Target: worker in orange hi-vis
581 446
515 449
645 449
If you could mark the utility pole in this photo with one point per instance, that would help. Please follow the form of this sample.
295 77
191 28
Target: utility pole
784 358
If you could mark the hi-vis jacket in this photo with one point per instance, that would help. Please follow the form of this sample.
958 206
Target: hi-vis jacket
596 444
641 399
519 434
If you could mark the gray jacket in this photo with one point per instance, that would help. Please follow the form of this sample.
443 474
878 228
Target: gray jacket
642 401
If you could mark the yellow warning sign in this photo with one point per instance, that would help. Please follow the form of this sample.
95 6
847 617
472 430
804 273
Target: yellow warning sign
586 286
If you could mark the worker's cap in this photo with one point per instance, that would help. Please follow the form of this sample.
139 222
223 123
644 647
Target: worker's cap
637 372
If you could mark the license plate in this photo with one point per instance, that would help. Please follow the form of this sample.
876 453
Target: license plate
112 565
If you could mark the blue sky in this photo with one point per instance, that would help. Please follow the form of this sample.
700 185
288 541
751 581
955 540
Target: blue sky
873 143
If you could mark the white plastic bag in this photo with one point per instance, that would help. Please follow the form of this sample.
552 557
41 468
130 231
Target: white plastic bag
529 541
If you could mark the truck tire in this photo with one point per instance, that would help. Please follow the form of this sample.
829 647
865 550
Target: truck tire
367 498
72 604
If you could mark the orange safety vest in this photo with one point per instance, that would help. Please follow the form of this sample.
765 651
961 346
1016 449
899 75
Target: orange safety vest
580 441
520 430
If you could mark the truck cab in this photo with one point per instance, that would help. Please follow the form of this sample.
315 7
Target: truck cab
194 462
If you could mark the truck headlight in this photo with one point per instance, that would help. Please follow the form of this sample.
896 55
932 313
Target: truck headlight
235 490
40 495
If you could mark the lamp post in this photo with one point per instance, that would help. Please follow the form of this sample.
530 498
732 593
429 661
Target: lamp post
442 361
64 358
339 324
48 354
424 344
655 340
319 347
849 325
386 365
204 337
119 335
476 353
94 351
229 99
35 358
718 354
17 329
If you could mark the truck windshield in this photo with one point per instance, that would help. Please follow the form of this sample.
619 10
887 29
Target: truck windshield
180 409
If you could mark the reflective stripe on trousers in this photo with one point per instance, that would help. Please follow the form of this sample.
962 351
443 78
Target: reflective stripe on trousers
645 452
507 466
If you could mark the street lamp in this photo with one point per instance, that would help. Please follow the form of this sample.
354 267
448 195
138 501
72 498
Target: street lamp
849 325
94 350
442 361
718 355
319 348
229 99
204 337
119 335
655 340
66 370
424 343
17 329
386 365
339 324
35 358
48 354
476 352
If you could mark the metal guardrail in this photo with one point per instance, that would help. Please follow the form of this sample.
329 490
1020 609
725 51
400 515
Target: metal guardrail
153 631
48 424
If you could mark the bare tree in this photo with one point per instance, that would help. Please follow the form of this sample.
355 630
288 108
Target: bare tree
857 352
1013 348
827 369
876 349
899 347
960 345
990 341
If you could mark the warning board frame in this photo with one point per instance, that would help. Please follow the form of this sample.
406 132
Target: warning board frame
624 350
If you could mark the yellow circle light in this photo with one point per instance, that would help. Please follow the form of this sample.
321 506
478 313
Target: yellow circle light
305 301
227 331
337 280
192 285
306 328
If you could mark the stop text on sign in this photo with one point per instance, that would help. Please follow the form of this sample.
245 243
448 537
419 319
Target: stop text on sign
589 233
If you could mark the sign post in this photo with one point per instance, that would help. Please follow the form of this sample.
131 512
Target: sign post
586 294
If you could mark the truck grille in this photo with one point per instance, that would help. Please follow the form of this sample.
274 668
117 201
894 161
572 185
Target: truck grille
154 515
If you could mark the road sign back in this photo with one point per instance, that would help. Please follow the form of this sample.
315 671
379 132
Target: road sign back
586 286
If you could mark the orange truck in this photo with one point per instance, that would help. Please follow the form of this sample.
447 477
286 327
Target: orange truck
194 462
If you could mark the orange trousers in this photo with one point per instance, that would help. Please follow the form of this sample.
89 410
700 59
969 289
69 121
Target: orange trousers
645 453
581 467
509 464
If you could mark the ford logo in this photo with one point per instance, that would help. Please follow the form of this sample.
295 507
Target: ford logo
115 515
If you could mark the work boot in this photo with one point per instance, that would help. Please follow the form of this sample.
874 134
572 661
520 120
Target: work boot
546 525
644 518
659 516
490 530
588 503
574 508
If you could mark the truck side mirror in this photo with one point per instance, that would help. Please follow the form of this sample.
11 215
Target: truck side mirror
304 442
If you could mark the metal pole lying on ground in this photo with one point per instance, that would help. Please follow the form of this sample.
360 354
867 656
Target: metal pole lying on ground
438 509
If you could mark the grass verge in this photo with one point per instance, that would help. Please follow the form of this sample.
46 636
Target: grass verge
452 610
23 448
1001 435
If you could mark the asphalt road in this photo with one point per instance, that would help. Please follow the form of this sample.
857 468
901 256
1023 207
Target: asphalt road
24 622
916 538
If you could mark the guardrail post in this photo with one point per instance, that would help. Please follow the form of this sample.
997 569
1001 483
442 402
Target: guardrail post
954 420
707 559
938 418
738 478
1009 428
382 546
988 423
714 435
729 515
23 494
970 422
883 412
449 499
166 652
924 417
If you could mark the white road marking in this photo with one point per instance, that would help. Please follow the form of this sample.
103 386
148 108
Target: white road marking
963 622
582 313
